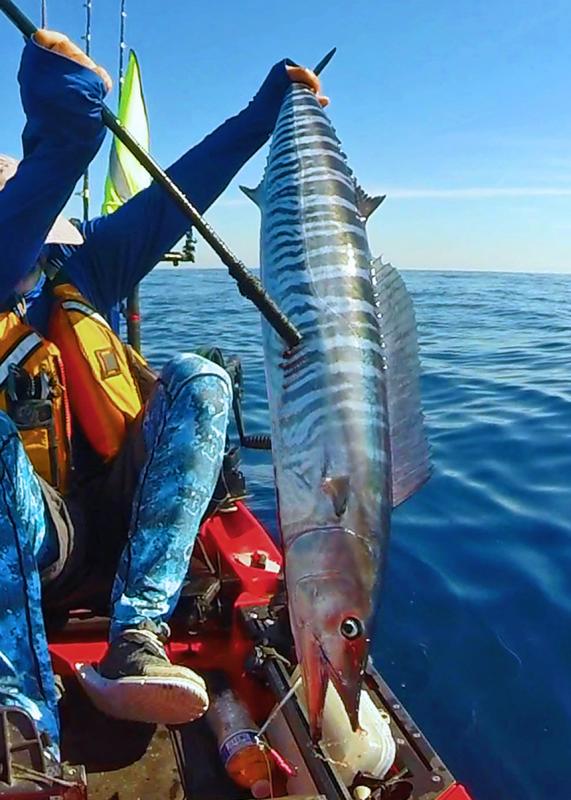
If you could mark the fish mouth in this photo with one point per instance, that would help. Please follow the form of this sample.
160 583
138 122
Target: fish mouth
315 674
318 670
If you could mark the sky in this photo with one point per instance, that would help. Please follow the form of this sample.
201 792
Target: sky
458 110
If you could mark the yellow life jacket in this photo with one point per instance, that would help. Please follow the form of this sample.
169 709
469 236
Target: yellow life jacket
32 392
103 395
83 366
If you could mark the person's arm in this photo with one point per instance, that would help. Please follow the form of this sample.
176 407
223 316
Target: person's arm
62 101
120 249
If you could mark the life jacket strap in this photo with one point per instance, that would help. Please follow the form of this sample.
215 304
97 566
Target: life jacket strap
22 350
86 310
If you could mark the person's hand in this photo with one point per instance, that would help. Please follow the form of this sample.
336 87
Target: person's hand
52 40
310 79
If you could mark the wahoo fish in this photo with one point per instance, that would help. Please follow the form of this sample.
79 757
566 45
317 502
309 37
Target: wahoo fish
348 437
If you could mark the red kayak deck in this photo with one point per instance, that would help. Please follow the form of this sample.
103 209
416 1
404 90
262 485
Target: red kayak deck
248 566
238 567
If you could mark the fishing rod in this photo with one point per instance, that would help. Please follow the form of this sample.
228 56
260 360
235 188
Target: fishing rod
87 38
122 44
248 285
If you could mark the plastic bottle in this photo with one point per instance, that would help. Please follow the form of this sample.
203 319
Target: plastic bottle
370 750
245 762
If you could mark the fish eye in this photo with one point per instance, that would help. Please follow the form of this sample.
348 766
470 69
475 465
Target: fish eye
351 628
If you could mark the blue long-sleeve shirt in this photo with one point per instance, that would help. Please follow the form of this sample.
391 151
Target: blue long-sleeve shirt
63 133
62 101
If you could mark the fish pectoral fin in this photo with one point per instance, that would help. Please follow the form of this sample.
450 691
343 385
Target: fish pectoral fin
410 457
337 488
255 194
366 204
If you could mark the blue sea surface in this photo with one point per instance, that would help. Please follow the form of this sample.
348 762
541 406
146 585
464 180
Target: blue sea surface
474 629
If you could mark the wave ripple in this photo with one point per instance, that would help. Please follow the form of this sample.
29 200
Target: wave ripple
474 629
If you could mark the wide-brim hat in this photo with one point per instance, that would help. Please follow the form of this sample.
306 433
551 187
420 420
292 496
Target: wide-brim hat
62 231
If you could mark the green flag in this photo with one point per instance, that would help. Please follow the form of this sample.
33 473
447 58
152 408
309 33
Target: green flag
126 176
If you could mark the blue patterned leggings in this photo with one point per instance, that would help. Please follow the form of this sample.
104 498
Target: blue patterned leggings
184 428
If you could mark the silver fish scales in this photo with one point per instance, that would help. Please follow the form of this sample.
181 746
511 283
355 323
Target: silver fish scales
347 430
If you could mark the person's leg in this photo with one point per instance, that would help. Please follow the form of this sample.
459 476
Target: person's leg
184 431
27 544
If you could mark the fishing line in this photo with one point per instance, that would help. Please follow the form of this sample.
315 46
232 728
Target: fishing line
273 714
329 760
262 746
276 710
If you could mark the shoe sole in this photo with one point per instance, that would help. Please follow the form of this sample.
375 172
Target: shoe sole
166 701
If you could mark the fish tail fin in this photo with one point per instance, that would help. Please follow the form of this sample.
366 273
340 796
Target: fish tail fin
410 456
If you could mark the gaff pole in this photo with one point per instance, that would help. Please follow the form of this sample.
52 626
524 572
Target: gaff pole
248 285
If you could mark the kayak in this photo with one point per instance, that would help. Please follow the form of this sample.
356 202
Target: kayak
222 624
232 620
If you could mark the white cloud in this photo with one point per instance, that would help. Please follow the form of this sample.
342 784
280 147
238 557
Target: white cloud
476 192
420 193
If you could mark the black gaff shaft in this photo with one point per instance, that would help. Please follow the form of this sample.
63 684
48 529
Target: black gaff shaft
248 285
324 61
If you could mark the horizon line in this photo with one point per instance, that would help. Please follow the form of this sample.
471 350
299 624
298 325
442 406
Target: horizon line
508 270
465 193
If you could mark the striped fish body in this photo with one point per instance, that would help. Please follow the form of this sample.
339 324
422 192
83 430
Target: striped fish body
329 398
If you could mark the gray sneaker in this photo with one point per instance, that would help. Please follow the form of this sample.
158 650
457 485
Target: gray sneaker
136 681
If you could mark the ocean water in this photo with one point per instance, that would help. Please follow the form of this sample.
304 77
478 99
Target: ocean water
474 628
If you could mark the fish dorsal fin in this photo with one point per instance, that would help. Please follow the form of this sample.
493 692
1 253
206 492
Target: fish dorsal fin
337 487
410 457
254 194
365 203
